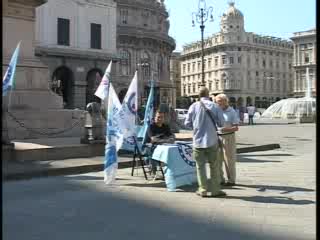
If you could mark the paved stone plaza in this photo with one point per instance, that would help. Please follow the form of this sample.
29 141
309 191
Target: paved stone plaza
274 199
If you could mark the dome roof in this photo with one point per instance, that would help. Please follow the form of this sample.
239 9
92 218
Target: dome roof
232 11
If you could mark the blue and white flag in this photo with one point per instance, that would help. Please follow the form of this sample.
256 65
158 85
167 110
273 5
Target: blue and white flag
129 106
114 136
103 88
8 79
148 114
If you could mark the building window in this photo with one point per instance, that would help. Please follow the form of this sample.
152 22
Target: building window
239 49
125 62
271 64
63 31
145 59
210 86
248 61
209 63
95 36
224 59
257 74
264 63
199 66
194 88
306 58
216 61
193 67
231 60
183 68
124 16
239 59
217 85
188 67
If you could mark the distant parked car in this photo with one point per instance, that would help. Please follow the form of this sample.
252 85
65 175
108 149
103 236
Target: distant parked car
181 113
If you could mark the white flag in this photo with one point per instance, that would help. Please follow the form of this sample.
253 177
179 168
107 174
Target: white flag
129 106
103 88
114 136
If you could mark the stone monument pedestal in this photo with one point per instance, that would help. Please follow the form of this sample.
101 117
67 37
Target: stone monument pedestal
39 114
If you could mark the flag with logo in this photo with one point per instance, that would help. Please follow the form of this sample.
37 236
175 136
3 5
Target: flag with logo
148 114
8 82
114 136
129 107
103 88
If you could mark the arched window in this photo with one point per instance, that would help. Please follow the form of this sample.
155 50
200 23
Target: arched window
145 60
124 62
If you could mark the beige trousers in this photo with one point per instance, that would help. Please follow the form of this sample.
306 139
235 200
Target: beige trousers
229 157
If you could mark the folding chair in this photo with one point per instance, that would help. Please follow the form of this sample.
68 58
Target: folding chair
138 154
144 154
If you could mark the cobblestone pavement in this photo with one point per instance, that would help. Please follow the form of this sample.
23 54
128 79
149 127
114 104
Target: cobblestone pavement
274 199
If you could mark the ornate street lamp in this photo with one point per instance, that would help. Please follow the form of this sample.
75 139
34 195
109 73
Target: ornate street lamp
201 17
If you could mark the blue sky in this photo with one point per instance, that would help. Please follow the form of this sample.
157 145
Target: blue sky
278 18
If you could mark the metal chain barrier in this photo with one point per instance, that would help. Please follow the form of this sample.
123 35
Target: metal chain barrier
21 124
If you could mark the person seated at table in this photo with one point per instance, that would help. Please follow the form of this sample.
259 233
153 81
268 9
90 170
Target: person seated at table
158 133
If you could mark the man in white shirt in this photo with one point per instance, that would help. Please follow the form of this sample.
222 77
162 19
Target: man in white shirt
251 110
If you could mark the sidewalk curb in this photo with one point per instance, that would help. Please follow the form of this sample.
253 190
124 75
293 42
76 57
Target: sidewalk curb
99 167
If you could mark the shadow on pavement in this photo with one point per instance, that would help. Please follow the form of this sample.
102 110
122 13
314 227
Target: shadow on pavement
284 189
267 155
91 211
272 199
250 160
84 177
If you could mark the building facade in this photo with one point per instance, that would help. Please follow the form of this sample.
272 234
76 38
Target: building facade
248 67
76 39
143 44
34 111
304 56
175 75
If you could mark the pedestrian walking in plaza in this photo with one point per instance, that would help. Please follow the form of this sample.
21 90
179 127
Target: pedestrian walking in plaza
251 111
228 139
202 117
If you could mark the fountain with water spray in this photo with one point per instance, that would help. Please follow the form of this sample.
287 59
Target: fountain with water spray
301 109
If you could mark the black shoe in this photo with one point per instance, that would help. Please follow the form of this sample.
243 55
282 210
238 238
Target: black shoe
229 184
219 194
202 194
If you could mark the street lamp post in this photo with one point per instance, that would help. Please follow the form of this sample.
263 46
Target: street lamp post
201 17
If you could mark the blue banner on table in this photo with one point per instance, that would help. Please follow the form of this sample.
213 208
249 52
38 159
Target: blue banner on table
180 168
8 79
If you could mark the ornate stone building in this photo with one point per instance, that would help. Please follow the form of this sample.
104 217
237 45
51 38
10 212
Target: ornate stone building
143 44
305 45
249 68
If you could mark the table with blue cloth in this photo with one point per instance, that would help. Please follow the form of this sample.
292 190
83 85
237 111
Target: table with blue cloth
179 167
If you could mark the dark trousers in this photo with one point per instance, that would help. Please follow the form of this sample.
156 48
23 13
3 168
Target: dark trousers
148 159
250 120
